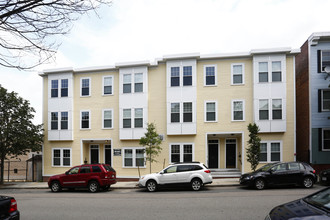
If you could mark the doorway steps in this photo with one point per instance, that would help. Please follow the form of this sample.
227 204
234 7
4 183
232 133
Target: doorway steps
225 173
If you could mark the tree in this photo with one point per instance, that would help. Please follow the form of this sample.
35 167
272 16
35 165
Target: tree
253 150
18 134
152 140
28 28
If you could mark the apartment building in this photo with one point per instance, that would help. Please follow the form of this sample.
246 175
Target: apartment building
201 106
313 101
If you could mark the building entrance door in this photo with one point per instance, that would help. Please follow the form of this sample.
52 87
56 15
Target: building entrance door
94 154
213 154
231 153
107 153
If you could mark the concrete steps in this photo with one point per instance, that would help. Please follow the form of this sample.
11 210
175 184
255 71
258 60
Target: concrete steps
219 173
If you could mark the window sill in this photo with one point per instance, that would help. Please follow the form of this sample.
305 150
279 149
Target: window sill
210 121
107 94
238 84
134 167
215 85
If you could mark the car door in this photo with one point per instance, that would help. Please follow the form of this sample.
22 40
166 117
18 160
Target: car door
278 174
183 173
84 175
71 178
295 173
168 176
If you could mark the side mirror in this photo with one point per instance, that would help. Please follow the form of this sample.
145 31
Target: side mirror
67 173
161 172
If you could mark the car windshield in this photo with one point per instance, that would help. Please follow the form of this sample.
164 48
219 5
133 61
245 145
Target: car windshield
265 167
320 199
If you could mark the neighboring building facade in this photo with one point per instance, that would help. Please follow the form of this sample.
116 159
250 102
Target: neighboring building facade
201 106
313 101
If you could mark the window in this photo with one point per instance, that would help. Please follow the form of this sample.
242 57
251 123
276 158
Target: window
277 108
238 110
276 71
237 71
64 120
138 82
85 119
326 140
127 118
175 76
210 75
62 157
54 88
263 72
96 169
187 75
270 151
325 59
134 157
138 119
85 87
127 86
325 100
211 111
175 112
187 112
64 87
263 109
54 121
107 118
181 153
107 85
85 169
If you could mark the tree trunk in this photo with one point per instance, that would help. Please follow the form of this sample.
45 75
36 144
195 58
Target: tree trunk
150 157
2 168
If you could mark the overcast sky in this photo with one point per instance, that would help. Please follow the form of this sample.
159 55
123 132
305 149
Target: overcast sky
136 30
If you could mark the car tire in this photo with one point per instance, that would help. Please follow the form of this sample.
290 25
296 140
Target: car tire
55 186
93 186
196 184
259 184
308 182
151 186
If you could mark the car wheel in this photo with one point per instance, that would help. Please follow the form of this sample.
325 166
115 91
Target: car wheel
55 186
196 184
308 182
93 186
259 184
151 186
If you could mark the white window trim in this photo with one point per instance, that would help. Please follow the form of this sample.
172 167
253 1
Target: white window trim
215 75
181 151
112 86
103 110
61 157
322 109
181 113
270 70
90 152
90 86
205 111
269 151
89 121
232 109
232 74
270 110
323 139
133 157
321 57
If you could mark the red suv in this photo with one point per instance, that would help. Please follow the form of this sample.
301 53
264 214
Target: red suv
91 176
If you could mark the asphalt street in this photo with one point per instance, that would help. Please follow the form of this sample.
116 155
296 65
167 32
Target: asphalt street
210 203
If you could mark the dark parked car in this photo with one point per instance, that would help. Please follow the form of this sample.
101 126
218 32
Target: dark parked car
280 174
315 206
325 177
91 176
8 208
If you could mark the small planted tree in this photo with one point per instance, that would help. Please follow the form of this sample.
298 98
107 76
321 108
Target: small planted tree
152 142
253 150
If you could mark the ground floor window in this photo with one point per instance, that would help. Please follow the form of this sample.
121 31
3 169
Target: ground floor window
134 157
270 151
181 153
61 157
326 139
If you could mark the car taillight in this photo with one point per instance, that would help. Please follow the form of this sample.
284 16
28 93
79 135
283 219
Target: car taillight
207 171
13 206
314 171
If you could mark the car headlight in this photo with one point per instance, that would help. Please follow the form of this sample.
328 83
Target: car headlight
249 177
142 177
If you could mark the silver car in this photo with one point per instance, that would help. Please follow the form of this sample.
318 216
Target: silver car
193 174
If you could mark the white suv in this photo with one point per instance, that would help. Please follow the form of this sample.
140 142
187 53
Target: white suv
194 174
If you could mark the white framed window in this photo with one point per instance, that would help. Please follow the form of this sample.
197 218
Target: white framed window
273 111
181 112
210 75
325 100
64 120
263 71
263 109
138 117
270 151
134 157
276 71
326 139
61 157
138 82
238 107
237 73
64 87
210 111
181 152
325 59
175 112
175 76
127 83
187 112
85 122
270 71
85 85
277 109
127 118
107 118
54 121
54 88
187 75
107 85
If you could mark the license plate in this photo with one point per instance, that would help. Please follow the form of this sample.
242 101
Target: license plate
324 178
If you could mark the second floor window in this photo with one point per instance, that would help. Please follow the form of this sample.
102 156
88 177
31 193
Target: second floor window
277 108
127 83
85 119
85 87
187 112
107 85
263 109
64 88
211 111
238 111
54 121
64 120
175 112
127 118
107 119
325 100
325 59
54 89
138 119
